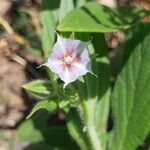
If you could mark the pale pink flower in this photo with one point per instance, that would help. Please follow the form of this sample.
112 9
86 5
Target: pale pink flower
69 59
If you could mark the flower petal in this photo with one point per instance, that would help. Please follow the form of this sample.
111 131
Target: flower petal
72 74
79 69
68 76
82 46
67 44
63 46
55 66
84 57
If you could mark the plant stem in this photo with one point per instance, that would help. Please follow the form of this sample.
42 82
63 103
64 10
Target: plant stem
93 138
88 110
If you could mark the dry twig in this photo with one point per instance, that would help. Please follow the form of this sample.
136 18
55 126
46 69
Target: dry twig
19 39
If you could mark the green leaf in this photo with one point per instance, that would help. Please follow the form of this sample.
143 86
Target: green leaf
97 18
93 18
49 18
68 5
33 135
132 13
39 88
84 19
50 106
40 130
130 98
65 7
103 86
79 3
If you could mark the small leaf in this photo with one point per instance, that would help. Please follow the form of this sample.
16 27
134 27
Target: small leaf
48 105
39 88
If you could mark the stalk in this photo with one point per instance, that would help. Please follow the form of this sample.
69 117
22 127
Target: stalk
88 110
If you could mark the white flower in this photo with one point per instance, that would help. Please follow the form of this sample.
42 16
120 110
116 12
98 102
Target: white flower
69 59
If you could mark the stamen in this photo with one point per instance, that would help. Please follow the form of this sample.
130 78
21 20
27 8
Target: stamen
68 60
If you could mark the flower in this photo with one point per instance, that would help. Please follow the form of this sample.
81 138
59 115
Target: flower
69 59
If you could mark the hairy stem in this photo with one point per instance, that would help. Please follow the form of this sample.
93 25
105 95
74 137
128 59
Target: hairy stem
88 110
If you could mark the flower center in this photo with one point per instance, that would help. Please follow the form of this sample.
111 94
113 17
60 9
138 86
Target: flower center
68 60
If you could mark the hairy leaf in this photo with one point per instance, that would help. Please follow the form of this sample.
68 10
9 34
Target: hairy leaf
39 88
130 98
97 18
50 106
